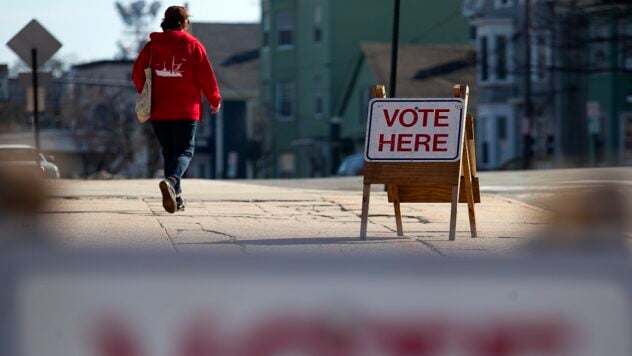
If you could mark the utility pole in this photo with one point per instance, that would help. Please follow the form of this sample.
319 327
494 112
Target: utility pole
394 51
527 119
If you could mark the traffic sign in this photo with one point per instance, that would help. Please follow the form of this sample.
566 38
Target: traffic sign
35 45
34 37
412 130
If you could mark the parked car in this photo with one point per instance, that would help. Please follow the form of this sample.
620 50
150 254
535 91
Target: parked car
25 157
352 165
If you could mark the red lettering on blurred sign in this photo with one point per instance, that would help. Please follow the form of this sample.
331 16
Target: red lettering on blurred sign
319 335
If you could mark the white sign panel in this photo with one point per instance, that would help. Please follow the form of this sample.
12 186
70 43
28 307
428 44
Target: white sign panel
132 314
411 130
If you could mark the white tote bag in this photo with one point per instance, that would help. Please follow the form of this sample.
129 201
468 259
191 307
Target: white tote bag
143 102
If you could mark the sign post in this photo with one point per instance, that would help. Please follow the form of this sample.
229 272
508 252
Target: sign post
423 150
34 45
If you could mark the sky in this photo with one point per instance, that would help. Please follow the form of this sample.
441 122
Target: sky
89 29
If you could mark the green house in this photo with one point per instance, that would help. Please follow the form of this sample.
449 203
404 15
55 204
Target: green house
309 51
609 85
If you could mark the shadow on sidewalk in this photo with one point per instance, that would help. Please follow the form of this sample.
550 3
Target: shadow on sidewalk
304 241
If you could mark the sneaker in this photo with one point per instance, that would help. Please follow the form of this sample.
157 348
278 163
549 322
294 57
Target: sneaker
168 195
180 205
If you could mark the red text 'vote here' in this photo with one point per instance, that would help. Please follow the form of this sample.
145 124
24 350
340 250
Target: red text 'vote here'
414 142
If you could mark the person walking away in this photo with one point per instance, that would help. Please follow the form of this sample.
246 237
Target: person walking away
181 71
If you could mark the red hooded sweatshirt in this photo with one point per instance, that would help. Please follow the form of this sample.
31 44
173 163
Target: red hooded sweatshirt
181 71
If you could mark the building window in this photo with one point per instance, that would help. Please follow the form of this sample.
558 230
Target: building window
599 46
501 57
481 132
626 139
266 31
285 27
318 97
285 100
484 65
495 51
318 23
540 55
266 99
625 31
286 165
501 128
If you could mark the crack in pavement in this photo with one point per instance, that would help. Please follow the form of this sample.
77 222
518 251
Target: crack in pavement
339 205
431 247
175 248
231 238
263 209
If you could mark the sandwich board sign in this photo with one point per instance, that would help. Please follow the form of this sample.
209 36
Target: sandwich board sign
423 151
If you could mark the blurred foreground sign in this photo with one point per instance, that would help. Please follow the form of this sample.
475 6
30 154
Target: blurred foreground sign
165 306
34 36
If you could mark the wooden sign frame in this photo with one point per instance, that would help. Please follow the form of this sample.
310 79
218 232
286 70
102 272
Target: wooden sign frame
427 182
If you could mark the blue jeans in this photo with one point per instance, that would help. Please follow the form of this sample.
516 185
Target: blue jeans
177 138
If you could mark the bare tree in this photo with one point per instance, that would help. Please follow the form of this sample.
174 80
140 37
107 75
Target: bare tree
137 16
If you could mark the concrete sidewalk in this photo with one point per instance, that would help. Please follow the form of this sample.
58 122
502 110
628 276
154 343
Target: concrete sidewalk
253 219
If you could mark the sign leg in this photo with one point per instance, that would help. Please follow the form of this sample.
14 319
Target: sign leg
366 194
398 213
469 191
454 204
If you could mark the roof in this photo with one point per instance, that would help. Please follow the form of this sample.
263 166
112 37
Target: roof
415 59
423 70
233 48
94 64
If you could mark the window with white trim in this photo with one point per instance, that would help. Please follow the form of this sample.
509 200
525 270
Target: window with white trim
266 98
285 100
481 132
286 165
266 30
285 29
318 97
483 67
500 54
501 128
541 54
318 23
598 40
495 52
625 34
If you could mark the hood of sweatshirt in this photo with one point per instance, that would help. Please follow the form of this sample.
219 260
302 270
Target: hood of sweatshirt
170 38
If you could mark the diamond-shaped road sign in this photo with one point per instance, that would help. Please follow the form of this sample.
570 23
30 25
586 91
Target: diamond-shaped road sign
34 36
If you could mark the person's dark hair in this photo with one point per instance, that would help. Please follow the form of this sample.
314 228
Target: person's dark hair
176 18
